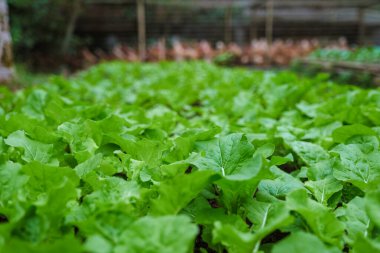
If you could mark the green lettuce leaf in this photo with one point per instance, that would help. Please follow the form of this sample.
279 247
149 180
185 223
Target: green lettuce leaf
159 234
303 242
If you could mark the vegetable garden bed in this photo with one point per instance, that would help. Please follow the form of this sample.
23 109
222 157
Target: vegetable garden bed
359 66
183 157
360 74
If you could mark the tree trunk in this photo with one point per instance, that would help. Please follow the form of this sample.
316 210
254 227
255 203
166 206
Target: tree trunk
6 58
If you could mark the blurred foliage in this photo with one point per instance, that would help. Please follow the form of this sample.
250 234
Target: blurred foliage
361 54
225 59
38 25
25 77
363 79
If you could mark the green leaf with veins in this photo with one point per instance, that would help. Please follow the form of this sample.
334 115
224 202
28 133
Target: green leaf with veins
231 156
365 244
234 240
301 242
323 189
281 185
356 220
176 193
235 193
341 134
11 189
169 234
358 164
33 150
319 218
86 167
372 205
35 103
310 153
266 218
45 178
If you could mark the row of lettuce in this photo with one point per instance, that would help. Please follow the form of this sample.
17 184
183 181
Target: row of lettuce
177 158
358 55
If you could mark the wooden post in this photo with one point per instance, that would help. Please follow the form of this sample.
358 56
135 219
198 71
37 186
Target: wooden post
253 29
76 9
141 29
228 24
6 57
269 30
361 26
269 22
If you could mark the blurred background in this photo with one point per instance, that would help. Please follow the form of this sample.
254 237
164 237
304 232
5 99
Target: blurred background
63 36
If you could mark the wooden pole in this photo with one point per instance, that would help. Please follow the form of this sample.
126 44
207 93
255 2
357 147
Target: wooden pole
361 26
141 29
253 31
76 9
228 24
6 56
269 30
269 22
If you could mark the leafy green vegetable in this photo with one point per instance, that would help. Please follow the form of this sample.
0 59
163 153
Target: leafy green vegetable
189 157
372 204
358 163
343 133
325 188
33 150
231 156
321 221
357 222
160 234
302 242
361 54
266 218
177 193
